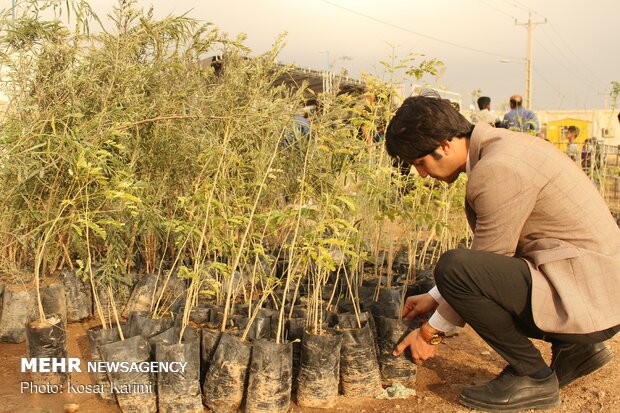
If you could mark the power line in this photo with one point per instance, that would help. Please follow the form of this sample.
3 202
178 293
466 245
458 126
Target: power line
510 3
518 4
498 9
418 33
571 50
568 67
590 78
529 9
546 81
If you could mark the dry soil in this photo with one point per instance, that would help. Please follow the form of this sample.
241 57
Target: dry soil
464 359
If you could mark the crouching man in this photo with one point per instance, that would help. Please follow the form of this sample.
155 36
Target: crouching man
544 262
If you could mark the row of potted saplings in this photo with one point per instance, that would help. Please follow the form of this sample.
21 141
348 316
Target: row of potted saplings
244 366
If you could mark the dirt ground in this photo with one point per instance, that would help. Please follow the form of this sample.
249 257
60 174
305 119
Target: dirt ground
464 359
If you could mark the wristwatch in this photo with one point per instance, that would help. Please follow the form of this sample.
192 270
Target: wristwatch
431 335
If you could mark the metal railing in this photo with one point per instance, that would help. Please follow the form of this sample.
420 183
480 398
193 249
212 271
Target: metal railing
601 162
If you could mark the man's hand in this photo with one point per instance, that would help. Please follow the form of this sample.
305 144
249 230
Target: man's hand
418 304
420 349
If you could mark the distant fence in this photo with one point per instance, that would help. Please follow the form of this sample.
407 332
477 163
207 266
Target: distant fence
610 175
601 163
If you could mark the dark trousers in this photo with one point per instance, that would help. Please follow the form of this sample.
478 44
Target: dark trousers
492 293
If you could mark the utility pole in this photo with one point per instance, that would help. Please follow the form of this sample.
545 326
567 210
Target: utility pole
528 60
328 65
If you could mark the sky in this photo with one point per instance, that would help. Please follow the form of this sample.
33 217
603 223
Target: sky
483 43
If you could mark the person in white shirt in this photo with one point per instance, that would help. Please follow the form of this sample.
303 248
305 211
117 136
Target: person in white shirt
484 114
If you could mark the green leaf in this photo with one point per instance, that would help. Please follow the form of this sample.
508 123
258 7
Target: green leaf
348 202
77 229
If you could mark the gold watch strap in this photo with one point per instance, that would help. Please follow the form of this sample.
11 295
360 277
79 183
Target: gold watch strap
431 335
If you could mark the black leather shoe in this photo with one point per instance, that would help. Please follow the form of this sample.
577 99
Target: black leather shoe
575 360
509 392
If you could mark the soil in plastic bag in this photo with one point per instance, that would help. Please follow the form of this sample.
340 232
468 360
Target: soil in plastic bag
208 345
47 339
260 328
171 336
294 334
200 315
134 391
317 384
243 309
359 368
179 391
424 282
18 309
348 320
142 294
366 291
98 337
122 292
299 311
269 384
347 306
216 316
331 318
274 316
328 290
388 304
174 295
141 324
54 300
78 295
225 380
400 369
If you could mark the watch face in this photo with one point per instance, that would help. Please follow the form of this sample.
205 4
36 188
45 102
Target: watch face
436 340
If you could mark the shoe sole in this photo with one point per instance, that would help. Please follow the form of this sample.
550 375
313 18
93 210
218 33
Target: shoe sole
543 403
589 366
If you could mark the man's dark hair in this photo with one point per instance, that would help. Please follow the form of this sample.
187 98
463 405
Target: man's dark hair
483 101
421 124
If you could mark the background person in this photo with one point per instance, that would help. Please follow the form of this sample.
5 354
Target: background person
572 149
484 114
586 153
519 118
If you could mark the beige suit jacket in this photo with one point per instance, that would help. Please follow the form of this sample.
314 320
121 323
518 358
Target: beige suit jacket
527 199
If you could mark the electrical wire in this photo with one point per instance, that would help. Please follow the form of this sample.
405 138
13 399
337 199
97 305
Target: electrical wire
546 81
529 9
510 3
590 78
498 9
571 50
568 67
436 39
517 3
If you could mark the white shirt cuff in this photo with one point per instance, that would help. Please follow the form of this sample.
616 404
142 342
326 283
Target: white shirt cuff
438 322
434 292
